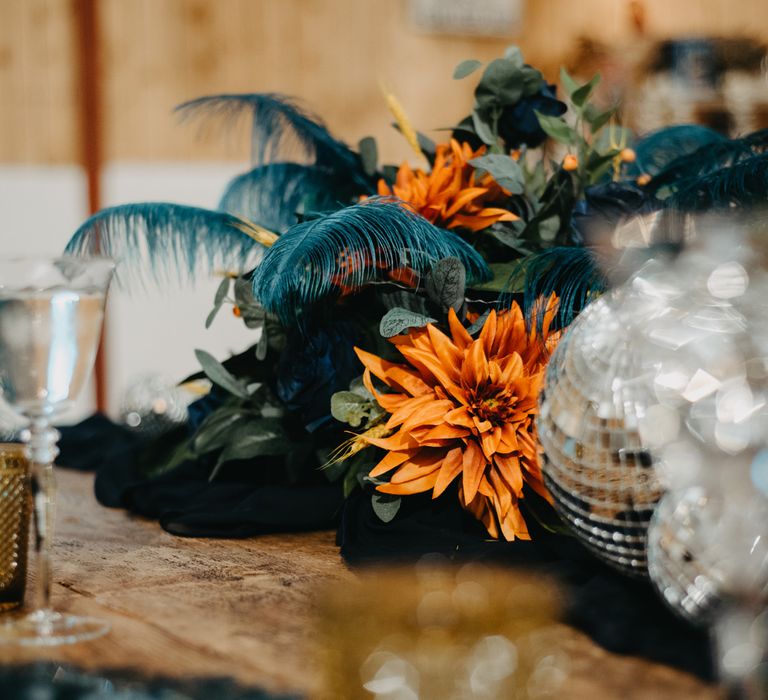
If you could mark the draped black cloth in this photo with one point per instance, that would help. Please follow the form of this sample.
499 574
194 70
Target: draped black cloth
250 498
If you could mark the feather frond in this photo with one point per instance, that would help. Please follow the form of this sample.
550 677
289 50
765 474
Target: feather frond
280 129
274 194
743 184
164 242
569 272
707 160
656 150
352 247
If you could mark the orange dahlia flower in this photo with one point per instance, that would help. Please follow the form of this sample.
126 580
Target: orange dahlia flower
451 195
464 408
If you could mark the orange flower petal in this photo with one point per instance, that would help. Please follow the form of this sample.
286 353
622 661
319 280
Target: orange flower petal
393 375
391 460
475 368
510 471
459 416
407 409
459 334
449 470
400 441
473 466
489 441
433 413
421 485
446 351
444 432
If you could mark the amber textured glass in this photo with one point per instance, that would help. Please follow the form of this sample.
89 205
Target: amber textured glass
14 524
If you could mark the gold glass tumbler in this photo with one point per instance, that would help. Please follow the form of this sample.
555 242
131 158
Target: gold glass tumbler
14 524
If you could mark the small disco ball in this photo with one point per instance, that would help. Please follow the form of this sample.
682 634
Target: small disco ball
153 406
680 571
592 415
706 546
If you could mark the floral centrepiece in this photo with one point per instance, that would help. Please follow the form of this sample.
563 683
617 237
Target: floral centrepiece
464 409
324 248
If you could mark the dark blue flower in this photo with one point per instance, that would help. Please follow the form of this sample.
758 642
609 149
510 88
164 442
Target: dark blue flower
314 365
519 125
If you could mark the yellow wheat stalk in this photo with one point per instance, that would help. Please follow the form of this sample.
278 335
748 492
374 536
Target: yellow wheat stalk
403 123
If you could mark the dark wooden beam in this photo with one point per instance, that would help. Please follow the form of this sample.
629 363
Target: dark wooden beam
91 137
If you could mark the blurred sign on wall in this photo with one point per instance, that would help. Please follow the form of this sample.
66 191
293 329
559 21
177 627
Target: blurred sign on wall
474 17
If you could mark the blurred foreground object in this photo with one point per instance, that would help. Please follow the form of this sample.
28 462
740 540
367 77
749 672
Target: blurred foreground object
155 405
704 343
438 632
14 524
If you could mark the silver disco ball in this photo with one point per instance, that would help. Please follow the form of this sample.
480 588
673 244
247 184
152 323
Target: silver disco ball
593 413
680 564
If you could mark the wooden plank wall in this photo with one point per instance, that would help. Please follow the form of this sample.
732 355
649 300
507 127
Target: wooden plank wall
331 53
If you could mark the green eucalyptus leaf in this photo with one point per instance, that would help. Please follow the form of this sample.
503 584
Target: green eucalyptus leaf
557 128
483 129
212 315
219 375
214 431
505 170
369 155
385 506
466 68
349 407
266 438
446 284
581 95
221 292
502 84
244 292
356 386
263 345
531 80
597 119
549 228
568 83
397 320
515 56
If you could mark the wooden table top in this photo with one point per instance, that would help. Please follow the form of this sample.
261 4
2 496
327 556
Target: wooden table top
242 608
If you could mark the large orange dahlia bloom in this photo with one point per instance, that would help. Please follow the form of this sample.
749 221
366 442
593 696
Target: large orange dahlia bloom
464 408
451 195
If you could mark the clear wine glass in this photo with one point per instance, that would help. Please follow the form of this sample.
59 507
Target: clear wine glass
51 312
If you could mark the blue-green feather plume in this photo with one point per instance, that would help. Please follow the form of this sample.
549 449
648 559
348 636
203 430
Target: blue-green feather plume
656 150
569 272
743 184
709 159
163 242
272 195
351 247
280 130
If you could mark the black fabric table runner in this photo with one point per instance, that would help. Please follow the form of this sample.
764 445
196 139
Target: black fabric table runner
621 614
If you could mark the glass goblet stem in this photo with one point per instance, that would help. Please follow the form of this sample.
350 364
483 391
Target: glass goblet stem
41 441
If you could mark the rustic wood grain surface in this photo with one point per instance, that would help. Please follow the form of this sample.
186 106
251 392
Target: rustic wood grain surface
242 608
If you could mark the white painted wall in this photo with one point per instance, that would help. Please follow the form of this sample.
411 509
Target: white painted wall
154 331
